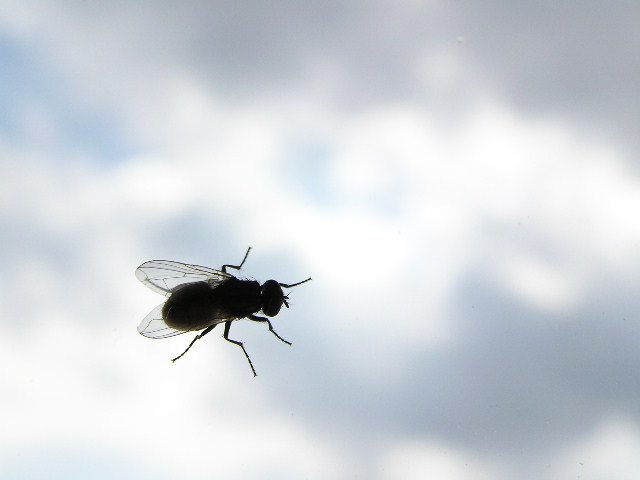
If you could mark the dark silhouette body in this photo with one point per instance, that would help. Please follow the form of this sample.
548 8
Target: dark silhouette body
198 305
214 297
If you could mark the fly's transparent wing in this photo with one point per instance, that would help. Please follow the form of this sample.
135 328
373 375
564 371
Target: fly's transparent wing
153 325
163 276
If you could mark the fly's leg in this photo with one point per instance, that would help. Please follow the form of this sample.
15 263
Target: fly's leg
256 318
227 326
236 267
198 337
286 285
293 284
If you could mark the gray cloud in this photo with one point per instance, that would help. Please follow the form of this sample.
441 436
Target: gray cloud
561 58
548 57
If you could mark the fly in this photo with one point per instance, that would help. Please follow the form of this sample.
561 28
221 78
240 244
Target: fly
199 298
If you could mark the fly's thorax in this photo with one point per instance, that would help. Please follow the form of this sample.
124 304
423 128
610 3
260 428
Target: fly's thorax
238 298
272 298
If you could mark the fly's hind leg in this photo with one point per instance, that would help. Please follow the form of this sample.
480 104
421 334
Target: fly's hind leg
236 267
227 326
256 318
198 337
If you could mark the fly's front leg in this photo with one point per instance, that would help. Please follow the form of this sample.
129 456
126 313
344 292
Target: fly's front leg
227 326
256 318
198 337
236 267
291 285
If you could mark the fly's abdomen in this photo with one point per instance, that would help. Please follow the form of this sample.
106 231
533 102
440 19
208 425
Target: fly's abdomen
190 308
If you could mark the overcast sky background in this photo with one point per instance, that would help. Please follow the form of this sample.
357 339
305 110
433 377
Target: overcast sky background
460 178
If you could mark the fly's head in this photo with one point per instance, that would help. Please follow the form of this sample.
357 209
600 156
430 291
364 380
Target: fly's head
272 298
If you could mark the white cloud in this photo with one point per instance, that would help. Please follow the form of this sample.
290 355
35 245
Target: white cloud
610 451
424 458
71 382
544 285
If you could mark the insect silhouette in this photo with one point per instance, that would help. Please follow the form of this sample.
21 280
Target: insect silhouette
199 298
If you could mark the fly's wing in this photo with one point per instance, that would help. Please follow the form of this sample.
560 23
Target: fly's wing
163 276
153 325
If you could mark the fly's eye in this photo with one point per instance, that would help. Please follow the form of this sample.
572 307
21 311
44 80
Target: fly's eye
272 298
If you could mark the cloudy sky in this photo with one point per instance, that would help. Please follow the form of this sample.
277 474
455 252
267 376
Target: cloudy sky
460 178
